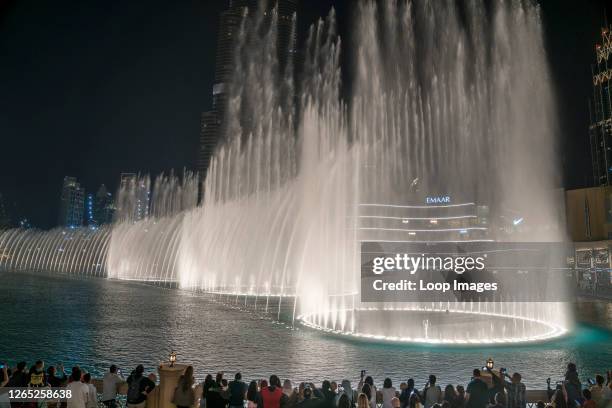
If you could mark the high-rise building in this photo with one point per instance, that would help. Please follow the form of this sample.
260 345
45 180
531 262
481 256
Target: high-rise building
211 121
600 129
89 210
99 207
104 206
5 221
210 130
211 125
133 197
72 203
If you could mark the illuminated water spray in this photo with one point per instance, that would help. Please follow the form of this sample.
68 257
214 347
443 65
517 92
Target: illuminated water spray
444 97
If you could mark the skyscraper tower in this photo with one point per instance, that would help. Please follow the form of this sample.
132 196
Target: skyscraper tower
211 124
5 221
133 197
103 206
99 208
72 203
600 129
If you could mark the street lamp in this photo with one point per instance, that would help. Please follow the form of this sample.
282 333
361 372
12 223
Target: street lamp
172 359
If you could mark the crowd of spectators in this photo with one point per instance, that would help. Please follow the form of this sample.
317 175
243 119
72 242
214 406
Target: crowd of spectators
83 392
488 388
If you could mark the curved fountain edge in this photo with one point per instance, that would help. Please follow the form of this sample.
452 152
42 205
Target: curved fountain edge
556 331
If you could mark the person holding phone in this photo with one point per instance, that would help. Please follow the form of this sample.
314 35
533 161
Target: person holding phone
597 390
370 382
55 380
110 383
432 393
477 392
4 377
516 391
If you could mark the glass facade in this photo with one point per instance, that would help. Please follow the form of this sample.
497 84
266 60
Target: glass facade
72 204
600 128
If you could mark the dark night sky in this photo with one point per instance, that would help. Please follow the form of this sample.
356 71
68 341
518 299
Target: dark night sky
94 88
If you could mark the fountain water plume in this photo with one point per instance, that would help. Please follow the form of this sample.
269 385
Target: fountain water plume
446 98
146 250
132 202
173 195
71 251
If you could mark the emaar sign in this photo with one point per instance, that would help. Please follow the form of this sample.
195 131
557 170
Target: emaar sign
438 200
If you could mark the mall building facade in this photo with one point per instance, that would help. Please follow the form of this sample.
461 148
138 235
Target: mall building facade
589 226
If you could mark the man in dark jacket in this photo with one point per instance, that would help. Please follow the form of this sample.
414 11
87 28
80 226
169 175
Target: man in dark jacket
573 386
406 392
477 392
19 378
217 395
139 387
56 376
237 390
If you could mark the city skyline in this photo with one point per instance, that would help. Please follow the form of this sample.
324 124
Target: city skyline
128 95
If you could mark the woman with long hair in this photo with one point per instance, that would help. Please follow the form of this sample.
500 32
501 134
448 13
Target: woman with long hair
450 395
363 401
272 394
253 399
373 392
367 391
414 401
460 398
184 394
388 393
206 385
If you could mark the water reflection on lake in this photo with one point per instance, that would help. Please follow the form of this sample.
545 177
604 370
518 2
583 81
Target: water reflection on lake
95 322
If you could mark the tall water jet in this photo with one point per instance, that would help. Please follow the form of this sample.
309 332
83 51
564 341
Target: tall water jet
146 249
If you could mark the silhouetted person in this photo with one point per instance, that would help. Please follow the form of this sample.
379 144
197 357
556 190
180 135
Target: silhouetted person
477 393
237 392
139 388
